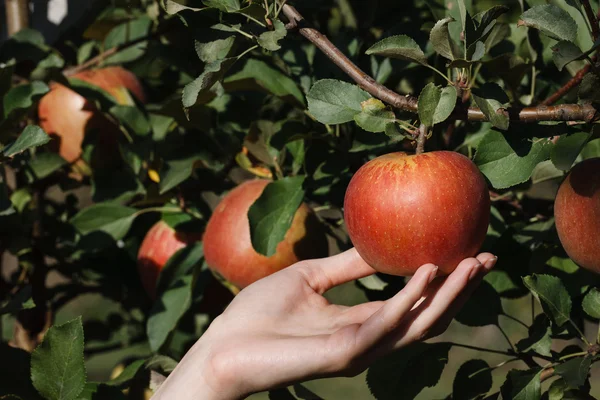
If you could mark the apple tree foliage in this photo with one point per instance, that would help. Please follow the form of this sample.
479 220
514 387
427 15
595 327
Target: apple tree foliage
303 96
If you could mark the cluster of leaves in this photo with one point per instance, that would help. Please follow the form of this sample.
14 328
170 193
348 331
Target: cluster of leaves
234 95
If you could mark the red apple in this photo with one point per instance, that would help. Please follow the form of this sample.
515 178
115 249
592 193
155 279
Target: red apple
67 115
228 248
577 213
159 244
403 211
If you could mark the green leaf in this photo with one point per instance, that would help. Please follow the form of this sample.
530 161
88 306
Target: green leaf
126 33
32 136
575 371
476 51
175 172
591 303
161 363
57 367
213 72
589 89
128 374
565 52
400 46
473 379
403 374
440 39
334 102
112 219
270 40
20 301
374 116
215 50
228 6
179 265
270 79
539 339
506 163
373 282
167 311
436 104
552 21
483 307
567 149
487 20
522 385
558 389
490 98
100 391
43 165
552 294
133 118
23 96
272 213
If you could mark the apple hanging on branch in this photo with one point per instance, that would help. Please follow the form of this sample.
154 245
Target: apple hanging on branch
228 247
67 115
577 213
403 211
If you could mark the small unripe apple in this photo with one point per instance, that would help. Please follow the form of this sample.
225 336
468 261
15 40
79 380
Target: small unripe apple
228 247
577 214
159 244
403 211
67 115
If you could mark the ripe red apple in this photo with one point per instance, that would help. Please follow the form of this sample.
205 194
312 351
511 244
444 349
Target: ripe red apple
67 115
228 248
577 213
159 244
403 211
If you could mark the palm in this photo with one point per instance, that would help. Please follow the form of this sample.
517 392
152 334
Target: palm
286 317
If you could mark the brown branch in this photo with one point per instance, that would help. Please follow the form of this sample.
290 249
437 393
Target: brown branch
92 62
564 112
576 80
592 18
17 15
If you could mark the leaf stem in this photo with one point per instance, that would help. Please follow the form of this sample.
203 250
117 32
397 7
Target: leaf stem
483 349
431 67
515 319
507 338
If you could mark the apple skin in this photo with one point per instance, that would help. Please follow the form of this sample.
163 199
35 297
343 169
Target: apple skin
66 115
403 211
159 244
577 214
228 247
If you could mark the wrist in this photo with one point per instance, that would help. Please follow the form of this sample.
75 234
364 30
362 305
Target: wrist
194 377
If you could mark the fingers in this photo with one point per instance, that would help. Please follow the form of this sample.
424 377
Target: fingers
445 299
390 315
325 273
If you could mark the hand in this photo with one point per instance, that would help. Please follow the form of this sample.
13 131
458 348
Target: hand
281 330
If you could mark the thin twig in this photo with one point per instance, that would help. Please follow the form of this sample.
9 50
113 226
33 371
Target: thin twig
482 349
564 112
566 88
107 53
592 18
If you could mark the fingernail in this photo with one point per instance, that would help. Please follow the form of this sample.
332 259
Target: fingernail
475 271
489 264
433 274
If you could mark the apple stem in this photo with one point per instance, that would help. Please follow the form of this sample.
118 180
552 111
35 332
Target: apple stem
422 138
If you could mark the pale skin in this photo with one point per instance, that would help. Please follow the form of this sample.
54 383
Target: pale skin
281 329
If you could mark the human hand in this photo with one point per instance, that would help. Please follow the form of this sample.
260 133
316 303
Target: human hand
281 330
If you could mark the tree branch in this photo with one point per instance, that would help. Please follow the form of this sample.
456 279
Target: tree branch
576 80
17 15
563 112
